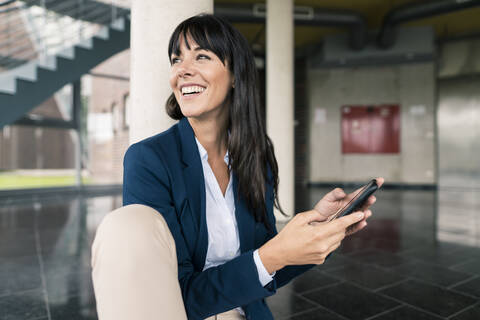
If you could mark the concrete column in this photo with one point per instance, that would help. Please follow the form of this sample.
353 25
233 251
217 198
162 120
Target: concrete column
77 136
280 56
153 22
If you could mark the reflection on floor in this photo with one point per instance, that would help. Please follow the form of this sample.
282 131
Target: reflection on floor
419 258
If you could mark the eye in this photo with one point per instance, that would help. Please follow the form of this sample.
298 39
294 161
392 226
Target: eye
174 60
203 57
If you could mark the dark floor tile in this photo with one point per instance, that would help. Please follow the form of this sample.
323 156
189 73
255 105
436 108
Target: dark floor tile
407 313
286 303
429 297
378 228
69 285
74 308
58 215
350 301
440 256
24 306
379 258
469 314
9 264
320 313
431 273
19 274
471 287
15 243
449 247
471 266
65 242
391 245
334 261
19 282
412 241
311 280
58 264
351 245
17 217
367 276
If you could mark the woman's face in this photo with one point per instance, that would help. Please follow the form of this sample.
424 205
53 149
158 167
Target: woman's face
199 80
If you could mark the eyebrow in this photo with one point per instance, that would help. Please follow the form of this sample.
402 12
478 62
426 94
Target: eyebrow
194 49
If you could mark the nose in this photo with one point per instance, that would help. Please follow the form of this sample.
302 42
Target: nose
184 69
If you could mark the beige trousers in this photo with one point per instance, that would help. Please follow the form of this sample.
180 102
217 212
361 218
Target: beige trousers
135 273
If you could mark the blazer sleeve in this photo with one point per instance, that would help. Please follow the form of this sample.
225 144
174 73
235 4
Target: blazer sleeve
205 293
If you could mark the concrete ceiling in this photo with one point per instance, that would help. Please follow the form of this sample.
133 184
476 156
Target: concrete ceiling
452 25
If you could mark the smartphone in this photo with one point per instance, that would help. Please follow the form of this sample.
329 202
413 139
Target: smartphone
356 203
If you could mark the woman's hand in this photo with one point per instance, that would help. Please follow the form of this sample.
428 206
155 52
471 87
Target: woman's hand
336 199
303 242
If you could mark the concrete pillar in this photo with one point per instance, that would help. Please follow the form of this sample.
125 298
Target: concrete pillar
153 22
77 136
280 59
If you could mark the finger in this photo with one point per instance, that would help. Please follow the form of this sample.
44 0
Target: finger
335 194
311 216
370 201
368 214
348 220
380 181
356 227
336 238
353 194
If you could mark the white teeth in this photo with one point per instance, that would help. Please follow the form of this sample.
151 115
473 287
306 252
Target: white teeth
192 89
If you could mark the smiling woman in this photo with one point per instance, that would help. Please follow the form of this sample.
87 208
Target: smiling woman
197 235
207 52
200 81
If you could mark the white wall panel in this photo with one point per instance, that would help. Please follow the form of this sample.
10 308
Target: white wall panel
412 86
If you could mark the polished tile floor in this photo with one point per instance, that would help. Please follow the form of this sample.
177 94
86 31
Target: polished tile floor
419 258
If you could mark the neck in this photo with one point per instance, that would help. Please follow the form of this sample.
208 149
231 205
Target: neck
212 134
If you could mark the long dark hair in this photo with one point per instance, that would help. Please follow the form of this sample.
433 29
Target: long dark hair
250 149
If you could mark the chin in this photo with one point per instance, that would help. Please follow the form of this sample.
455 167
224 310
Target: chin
190 112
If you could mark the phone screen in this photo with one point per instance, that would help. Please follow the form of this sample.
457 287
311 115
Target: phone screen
357 201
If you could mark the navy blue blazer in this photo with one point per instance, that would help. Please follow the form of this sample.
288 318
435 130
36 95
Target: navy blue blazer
165 172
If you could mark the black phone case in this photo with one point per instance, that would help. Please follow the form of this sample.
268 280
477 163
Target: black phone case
359 199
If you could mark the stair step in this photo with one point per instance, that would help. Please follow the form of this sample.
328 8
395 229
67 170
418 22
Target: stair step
118 24
68 53
26 71
103 33
87 43
24 87
47 62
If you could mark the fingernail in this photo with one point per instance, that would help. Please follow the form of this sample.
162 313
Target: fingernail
360 215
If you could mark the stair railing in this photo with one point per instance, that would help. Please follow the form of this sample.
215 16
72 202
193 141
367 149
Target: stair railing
37 29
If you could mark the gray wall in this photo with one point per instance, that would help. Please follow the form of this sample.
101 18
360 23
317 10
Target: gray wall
459 114
412 86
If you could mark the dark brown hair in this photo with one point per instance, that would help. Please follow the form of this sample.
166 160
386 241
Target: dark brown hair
251 154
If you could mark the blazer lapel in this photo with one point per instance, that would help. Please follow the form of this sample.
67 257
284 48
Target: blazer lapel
245 220
195 187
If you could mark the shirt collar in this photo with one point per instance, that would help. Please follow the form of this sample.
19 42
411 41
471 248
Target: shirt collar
204 154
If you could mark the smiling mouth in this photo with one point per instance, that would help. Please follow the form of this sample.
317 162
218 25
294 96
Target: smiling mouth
192 91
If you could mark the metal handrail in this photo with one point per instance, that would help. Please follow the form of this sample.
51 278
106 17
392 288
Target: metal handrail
6 3
20 44
19 38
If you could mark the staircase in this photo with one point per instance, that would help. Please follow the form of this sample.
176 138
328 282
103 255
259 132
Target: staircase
30 76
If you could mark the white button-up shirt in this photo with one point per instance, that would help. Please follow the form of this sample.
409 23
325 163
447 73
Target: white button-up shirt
223 237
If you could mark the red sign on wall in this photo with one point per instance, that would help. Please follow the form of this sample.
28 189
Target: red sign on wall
371 129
